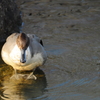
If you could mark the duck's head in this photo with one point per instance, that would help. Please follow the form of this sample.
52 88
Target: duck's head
22 43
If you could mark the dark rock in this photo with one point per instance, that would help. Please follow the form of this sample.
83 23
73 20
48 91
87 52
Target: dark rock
10 19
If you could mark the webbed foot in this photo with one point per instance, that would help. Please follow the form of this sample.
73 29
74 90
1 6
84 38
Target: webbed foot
19 76
31 76
23 76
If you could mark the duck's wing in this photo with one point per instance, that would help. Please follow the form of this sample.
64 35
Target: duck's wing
36 44
34 37
38 40
10 42
41 42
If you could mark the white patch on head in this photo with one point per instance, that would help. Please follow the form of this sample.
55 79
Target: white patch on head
15 55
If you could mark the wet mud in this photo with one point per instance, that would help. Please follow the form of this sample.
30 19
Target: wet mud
70 31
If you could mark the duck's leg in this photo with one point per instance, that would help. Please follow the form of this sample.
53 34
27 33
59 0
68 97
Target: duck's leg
32 76
25 76
17 76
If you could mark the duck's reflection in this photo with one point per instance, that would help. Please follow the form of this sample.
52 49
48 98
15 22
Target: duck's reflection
24 89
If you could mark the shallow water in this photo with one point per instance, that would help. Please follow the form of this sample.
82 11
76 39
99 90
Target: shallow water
70 30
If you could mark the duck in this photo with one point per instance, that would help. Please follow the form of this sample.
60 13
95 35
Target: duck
24 52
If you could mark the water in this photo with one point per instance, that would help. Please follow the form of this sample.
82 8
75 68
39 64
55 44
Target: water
70 30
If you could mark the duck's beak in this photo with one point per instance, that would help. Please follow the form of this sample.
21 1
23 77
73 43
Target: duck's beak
23 56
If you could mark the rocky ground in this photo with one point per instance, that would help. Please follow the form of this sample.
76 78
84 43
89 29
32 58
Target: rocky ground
10 19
